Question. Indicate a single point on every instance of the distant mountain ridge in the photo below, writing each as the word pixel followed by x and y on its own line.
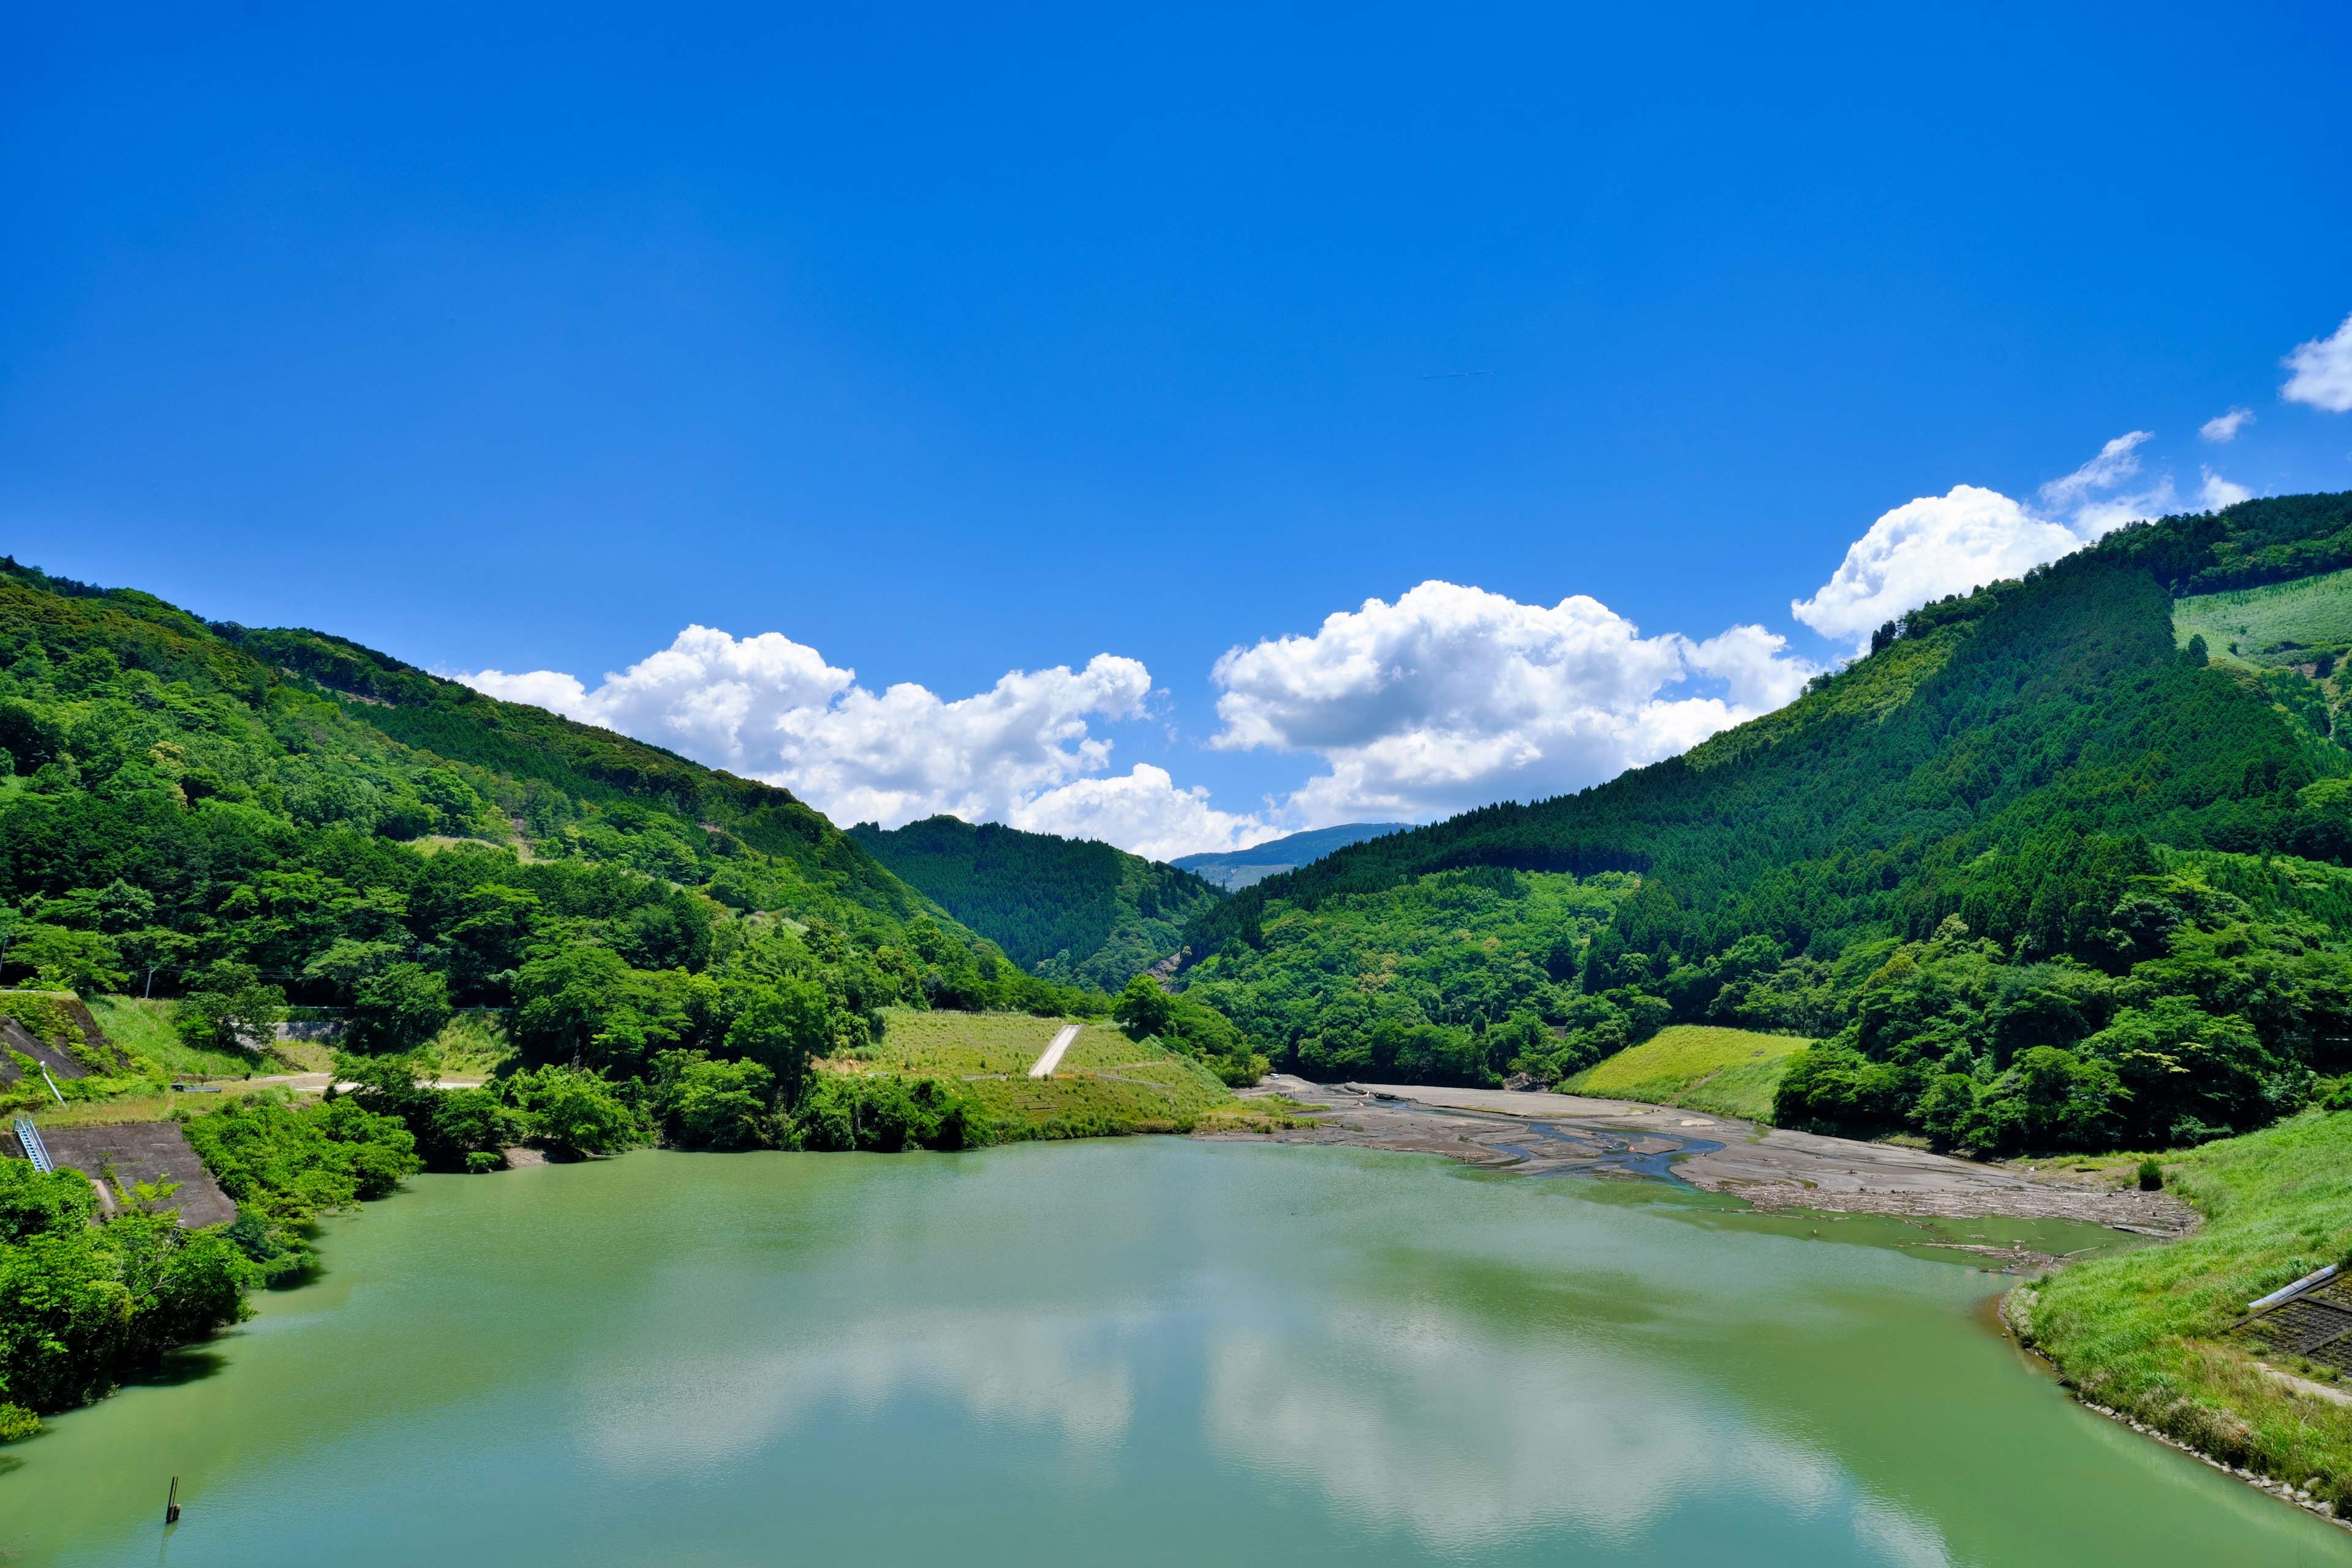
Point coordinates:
pixel 1234 869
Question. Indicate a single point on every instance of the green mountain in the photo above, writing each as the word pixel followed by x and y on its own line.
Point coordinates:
pixel 1073 911
pixel 230 814
pixel 2039 873
pixel 1233 869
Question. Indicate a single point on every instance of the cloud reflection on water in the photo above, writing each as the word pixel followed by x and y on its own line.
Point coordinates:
pixel 1468 1444
pixel 685 1412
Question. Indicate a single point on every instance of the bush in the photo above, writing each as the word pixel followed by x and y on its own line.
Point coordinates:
pixel 887 1115
pixel 704 1104
pixel 231 1009
pixel 2151 1176
pixel 16 1424
pixel 571 1109
pixel 288 1165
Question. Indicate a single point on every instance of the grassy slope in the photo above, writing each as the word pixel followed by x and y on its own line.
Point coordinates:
pixel 1107 1083
pixel 2248 625
pixel 2143 1332
pixel 144 1030
pixel 1731 1072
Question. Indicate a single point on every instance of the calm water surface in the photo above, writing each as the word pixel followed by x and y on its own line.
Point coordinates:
pixel 1144 1350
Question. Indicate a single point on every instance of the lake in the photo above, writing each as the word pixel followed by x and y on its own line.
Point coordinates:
pixel 1136 1351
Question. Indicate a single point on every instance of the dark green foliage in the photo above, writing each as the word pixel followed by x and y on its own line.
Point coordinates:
pixel 398 1009
pixel 2151 1176
pixel 230 1009
pixel 887 1114
pixel 1074 911
pixel 2024 824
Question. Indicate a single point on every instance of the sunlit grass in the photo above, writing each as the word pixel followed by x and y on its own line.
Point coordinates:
pixel 2146 1332
pixel 1105 1082
pixel 1729 1072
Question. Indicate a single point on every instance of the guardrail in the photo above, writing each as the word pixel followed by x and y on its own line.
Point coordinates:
pixel 35 1150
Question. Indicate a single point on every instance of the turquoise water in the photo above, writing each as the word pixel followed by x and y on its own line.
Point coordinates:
pixel 1140 1351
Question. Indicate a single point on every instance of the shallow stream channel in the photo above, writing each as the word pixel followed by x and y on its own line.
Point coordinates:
pixel 1134 1350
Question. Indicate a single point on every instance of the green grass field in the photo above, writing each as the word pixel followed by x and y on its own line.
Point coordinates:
pixel 2145 1333
pixel 2251 626
pixel 1729 1072
pixel 1105 1084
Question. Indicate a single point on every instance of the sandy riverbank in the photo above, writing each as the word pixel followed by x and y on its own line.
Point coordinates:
pixel 1772 1168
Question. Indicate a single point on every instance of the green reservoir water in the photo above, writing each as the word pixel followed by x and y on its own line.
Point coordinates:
pixel 1141 1351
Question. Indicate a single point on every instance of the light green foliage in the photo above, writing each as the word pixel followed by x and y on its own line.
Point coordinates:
pixel 1107 1083
pixel 1421 982
pixel 474 1042
pixel 2146 1332
pixel 68 960
pixel 289 1165
pixel 705 1104
pixel 2275 625
pixel 570 1110
pixel 145 1030
pixel 81 1304
pixel 1732 1073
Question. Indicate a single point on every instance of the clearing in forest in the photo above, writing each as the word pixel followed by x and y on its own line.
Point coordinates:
pixel 1730 1072
pixel 1105 1083
pixel 2275 625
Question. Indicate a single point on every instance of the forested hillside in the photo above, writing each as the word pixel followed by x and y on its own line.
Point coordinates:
pixel 249 818
pixel 2040 875
pixel 1073 911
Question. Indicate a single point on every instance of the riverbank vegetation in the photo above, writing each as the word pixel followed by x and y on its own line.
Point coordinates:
pixel 2148 1332
pixel 82 1304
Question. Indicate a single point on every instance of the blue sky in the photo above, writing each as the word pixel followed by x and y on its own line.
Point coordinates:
pixel 947 344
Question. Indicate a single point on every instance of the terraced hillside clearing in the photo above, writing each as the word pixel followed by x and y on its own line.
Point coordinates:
pixel 1730 1072
pixel 2272 627
pixel 1104 1085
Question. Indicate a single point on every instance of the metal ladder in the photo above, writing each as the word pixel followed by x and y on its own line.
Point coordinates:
pixel 35 1150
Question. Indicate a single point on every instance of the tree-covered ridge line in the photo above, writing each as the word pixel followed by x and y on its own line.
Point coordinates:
pixel 177 812
pixel 1965 848
pixel 1078 911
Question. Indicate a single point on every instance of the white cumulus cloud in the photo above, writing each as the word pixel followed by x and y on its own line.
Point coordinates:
pixel 2217 492
pixel 2224 427
pixel 1952 543
pixel 1454 696
pixel 2323 371
pixel 1021 751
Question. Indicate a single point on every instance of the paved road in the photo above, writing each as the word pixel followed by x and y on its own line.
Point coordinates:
pixel 1052 1057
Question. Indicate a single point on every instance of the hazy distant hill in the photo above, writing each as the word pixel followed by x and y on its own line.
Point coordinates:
pixel 1073 910
pixel 1237 869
